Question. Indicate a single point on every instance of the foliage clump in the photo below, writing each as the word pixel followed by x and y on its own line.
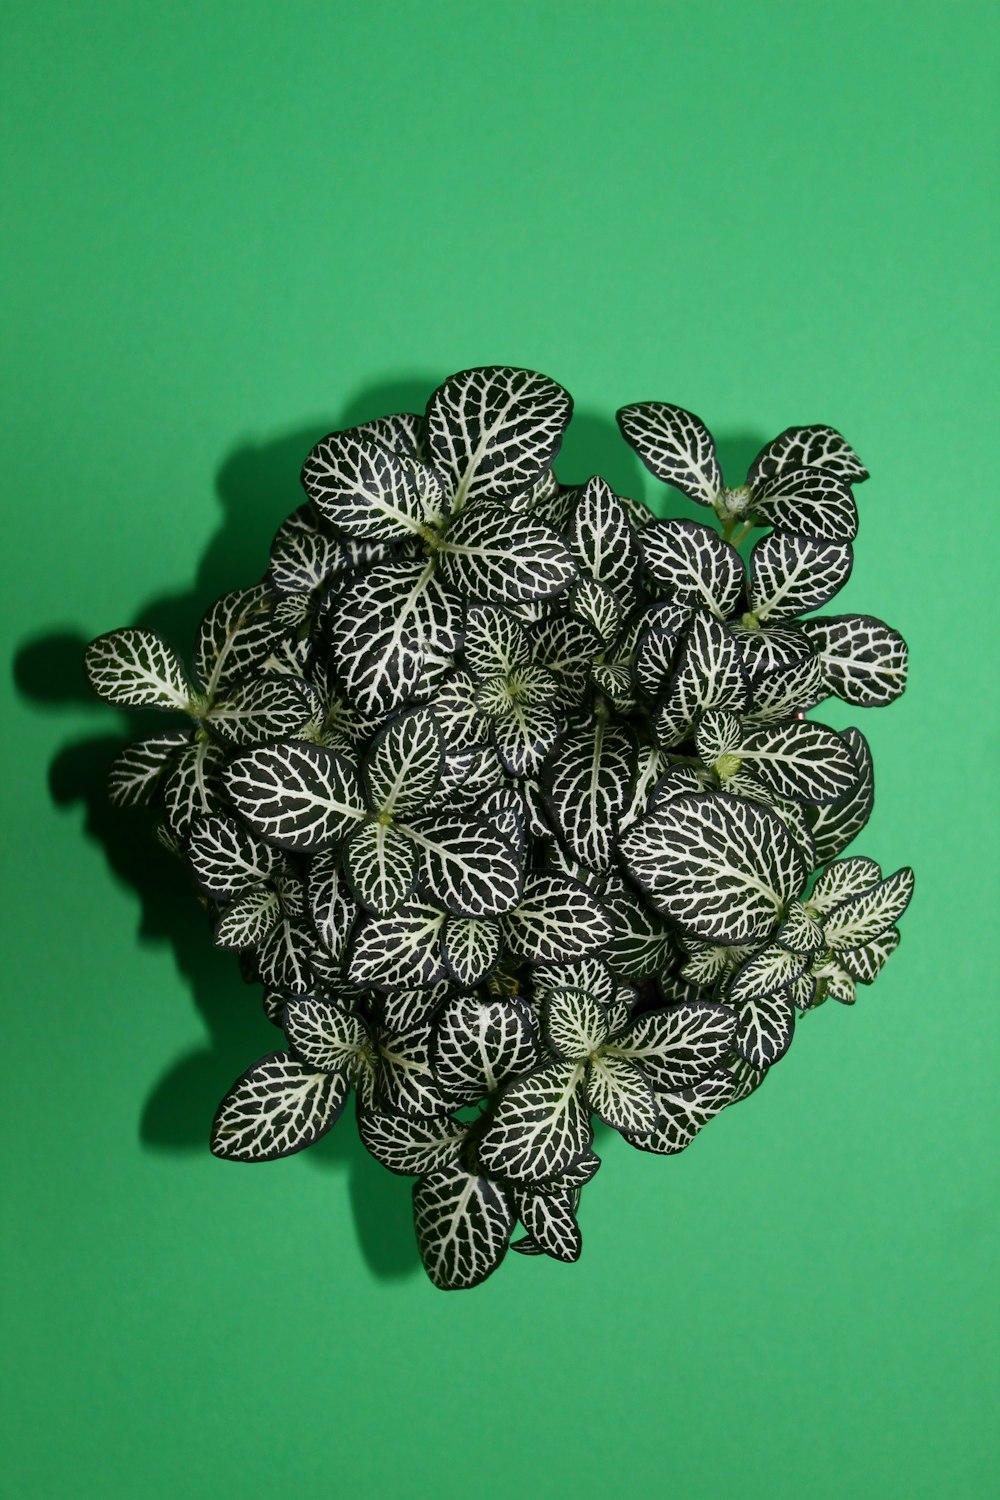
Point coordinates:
pixel 504 792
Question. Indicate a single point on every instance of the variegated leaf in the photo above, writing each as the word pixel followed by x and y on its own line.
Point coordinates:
pixel 864 964
pixel 675 445
pixel 657 647
pixel 707 962
pixel 590 974
pixel 284 959
pixel 864 660
pixel 540 1126
pixel 841 879
pixel 136 669
pixel 366 491
pixel 596 604
pixel 836 824
pixel 463 1225
pixel 722 868
pixel 816 447
pixel 462 725
pixel 331 906
pixel 466 866
pixel 479 1043
pixel 764 1028
pixel 677 1044
pixel 399 952
pixel 719 733
pixel 605 544
pixel 237 634
pixel 811 501
pixel 492 556
pixel 524 733
pixel 493 430
pixel 766 651
pixel 136 771
pixel 768 970
pixel 386 622
pixel 278 1106
pixel 575 1023
pixel 324 1035
pixel 193 785
pixel 798 760
pixel 504 810
pixel 411 1145
pixel 401 432
pixel 800 932
pixel 833 982
pixel 588 781
pixel 262 709
pixel 865 916
pixel 567 648
pixel 619 1092
pixel 494 644
pixel 709 674
pixel 550 1219
pixel 556 918
pixel 298 796
pixel 226 859
pixel 787 690
pixel 382 866
pixel 406 1083
pixel 694 565
pixel 247 922
pixel 642 942
pixel 304 556
pixel 470 947
pixel 683 1112
pixel 791 574
pixel 402 768
pixel 401 1010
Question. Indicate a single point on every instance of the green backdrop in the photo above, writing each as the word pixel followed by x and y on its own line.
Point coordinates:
pixel 234 226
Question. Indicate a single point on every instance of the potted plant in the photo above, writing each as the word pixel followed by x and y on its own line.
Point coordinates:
pixel 505 794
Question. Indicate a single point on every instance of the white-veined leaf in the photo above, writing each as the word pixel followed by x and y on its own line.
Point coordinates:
pixel 642 943
pixel 401 1010
pixel 864 964
pixel 247 922
pixel 596 604
pixel 656 650
pixel 836 824
pixel 382 866
pixel 614 680
pixel 603 540
pixel 411 1145
pixel 406 1083
pixel 719 733
pixel 791 574
pixel 707 962
pixel 590 974
pixel 816 447
pixel 556 918
pixel 237 634
pixel 278 1106
pixel 683 1112
pixel 494 644
pixel 709 674
pixel 864 660
pixel 865 916
pixel 799 760
pixel 493 430
pixel 364 490
pixel 567 648
pixel 298 796
pixel 833 982
pixel 768 970
pixel 575 1023
pixel 787 690
pixel 466 866
pixel 492 556
pixel 694 565
pixel 842 878
pixel 193 785
pixel 462 725
pixel 271 707
pixel 331 906
pixel 811 501
pixel 619 1092
pixel 463 1225
pixel 477 1044
pixel 766 651
pixel 722 868
pixel 470 947
pixel 226 859
pixel 677 1044
pixel 399 952
pixel 523 734
pixel 304 557
pixel 675 445
pixel 284 959
pixel 800 932
pixel 402 768
pixel 550 1220
pixel 324 1035
pixel 540 1126
pixel 588 781
pixel 401 432
pixel 379 632
pixel 135 772
pixel 764 1028
pixel 136 669
pixel 504 810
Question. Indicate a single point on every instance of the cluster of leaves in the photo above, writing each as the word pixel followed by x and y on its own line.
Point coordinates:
pixel 504 792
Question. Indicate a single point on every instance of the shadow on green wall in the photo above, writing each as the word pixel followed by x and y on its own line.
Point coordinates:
pixel 257 486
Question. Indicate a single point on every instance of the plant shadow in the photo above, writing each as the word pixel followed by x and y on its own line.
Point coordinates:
pixel 257 486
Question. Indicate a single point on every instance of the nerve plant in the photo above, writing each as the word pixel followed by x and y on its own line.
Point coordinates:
pixel 504 792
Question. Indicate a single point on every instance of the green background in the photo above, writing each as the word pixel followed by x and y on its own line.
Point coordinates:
pixel 234 226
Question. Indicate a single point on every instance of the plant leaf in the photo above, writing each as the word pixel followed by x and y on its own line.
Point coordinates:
pixel 864 964
pixel 331 906
pixel 493 430
pixel 364 490
pixel 247 922
pixel 284 958
pixel 402 768
pixel 470 947
pixel 865 916
pixel 136 771
pixel 477 1044
pixel 406 1081
pixel 556 918
pixel 603 540
pixel 812 501
pixel 677 1044
pixel 694 565
pixel 657 646
pixel 399 952
pixel 675 445
pixel 787 690
pixel 382 866
pixel 619 1092
pixel 411 1145
pixel 722 868
pixel 386 621
pixel 791 574
pixel 567 647
pixel 193 785
pixel 683 1112
pixel 709 674
pixel 764 1028
pixel 807 447
pixel 463 1225
pixel 864 660
pixel 235 636
pixel 296 795
pixel 843 878
pixel 493 556
pixel 323 1035
pixel 277 1107
pixel 494 642
pixel 468 867
pixel 550 1219
pixel 226 859
pixel 588 780
pixel 835 825
pixel 575 1023
pixel 799 760
pixel 272 707
pixel 540 1125
pixel 136 669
